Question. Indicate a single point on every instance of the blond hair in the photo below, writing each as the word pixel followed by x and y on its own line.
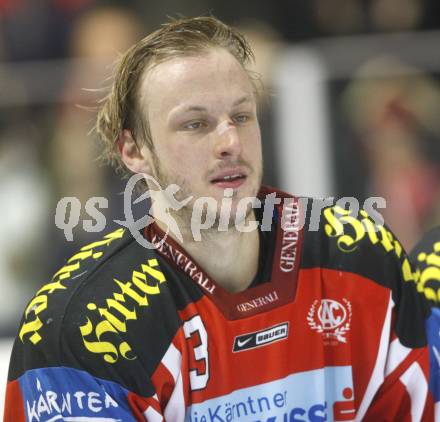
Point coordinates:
pixel 121 108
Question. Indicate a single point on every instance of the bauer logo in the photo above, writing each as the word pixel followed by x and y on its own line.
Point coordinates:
pixel 261 338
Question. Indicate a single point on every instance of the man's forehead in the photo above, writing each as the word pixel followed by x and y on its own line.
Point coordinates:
pixel 184 62
pixel 195 79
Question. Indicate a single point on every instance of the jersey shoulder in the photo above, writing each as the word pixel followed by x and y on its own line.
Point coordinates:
pixel 103 312
pixel 357 241
pixel 47 308
pixel 425 257
pixel 352 239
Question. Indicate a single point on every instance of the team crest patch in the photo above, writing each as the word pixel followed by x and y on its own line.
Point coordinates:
pixel 330 318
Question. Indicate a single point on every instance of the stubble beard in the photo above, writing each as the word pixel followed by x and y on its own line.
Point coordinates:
pixel 183 216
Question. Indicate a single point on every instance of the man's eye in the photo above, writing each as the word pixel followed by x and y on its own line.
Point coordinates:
pixel 194 125
pixel 241 118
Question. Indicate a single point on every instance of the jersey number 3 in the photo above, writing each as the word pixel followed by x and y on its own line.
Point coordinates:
pixel 194 327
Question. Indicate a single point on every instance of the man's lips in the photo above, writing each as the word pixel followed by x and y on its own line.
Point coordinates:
pixel 232 178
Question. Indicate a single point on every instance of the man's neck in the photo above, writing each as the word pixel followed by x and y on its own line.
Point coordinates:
pixel 228 257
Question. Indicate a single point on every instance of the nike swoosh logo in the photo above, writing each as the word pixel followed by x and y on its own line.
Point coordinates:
pixel 242 343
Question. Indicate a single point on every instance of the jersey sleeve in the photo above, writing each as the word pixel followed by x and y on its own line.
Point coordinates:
pixel 403 395
pixel 59 380
pixel 77 390
pixel 433 331
pixel 425 258
pixel 92 339
pixel 67 393
pixel 398 387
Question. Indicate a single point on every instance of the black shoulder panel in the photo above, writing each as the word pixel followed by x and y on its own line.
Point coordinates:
pixel 425 257
pixel 111 310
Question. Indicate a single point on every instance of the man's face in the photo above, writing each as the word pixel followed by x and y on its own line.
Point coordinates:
pixel 204 127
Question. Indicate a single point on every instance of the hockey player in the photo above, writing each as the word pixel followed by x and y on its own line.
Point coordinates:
pixel 251 307
pixel 426 259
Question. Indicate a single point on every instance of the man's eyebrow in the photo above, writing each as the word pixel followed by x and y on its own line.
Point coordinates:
pixel 244 99
pixel 241 100
pixel 194 108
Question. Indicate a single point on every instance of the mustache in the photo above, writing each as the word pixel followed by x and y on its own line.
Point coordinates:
pixel 229 164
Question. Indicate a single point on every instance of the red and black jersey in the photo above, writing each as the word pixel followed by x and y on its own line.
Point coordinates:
pixel 426 258
pixel 126 333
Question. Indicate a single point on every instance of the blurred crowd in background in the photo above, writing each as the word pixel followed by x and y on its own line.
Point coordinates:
pixel 56 58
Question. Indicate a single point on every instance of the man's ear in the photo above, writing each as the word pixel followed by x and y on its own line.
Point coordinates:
pixel 137 160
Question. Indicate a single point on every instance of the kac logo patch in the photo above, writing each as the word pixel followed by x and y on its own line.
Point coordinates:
pixel 331 319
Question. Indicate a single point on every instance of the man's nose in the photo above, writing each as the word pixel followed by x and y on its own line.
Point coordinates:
pixel 227 143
